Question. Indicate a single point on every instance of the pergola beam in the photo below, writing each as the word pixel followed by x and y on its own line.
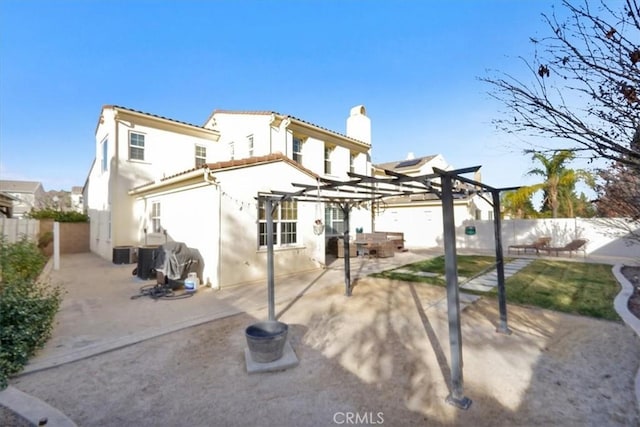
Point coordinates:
pixel 346 194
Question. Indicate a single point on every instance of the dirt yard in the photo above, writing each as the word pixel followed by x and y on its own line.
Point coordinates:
pixel 379 357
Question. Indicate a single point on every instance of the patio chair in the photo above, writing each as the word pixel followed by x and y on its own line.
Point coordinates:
pixel 571 247
pixel 540 243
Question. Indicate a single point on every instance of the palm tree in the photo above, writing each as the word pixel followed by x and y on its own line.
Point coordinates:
pixel 558 181
pixel 517 203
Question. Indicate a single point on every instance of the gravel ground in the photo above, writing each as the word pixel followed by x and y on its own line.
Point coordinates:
pixel 381 354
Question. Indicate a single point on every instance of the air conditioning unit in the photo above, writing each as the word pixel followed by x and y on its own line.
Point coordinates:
pixel 124 255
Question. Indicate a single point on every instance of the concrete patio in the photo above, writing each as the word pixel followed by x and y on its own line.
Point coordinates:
pixel 385 349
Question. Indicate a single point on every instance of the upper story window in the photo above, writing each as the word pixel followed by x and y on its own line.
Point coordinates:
pixel 136 146
pixel 297 150
pixel 352 162
pixel 232 150
pixel 250 145
pixel 327 159
pixel 105 152
pixel 285 223
pixel 201 155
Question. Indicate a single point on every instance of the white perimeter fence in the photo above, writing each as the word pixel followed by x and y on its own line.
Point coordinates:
pixel 606 237
pixel 14 229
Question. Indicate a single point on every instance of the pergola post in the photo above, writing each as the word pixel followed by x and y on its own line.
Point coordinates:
pixel 346 208
pixel 502 297
pixel 268 210
pixel 456 397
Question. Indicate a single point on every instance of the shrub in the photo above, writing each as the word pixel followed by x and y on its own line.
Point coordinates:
pixel 45 239
pixel 27 307
pixel 59 216
pixel 20 261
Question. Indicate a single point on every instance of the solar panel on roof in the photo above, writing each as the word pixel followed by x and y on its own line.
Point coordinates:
pixel 408 163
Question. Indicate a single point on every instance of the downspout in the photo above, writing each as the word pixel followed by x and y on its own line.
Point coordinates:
pixel 112 176
pixel 271 134
pixel 216 285
pixel 208 177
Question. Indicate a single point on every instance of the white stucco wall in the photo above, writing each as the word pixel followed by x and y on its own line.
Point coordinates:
pixel 276 136
pixel 98 191
pixel 421 223
pixel 241 259
pixel 189 215
pixel 237 127
pixel 221 221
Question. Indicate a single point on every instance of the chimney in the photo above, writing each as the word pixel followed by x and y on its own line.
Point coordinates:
pixel 410 156
pixel 359 125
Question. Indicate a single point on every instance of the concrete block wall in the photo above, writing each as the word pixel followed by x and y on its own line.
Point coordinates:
pixel 74 237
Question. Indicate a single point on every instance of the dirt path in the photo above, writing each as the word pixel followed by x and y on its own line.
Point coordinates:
pixel 381 355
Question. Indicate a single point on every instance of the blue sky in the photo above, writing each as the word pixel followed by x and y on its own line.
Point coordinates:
pixel 413 64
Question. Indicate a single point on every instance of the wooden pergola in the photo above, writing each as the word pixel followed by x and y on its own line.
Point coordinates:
pixel 361 189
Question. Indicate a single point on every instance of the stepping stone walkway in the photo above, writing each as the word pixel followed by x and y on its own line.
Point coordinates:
pixel 483 283
pixel 488 281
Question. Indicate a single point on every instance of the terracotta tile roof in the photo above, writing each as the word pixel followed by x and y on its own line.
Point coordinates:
pixel 154 115
pixel 252 113
pixel 252 161
pixel 236 163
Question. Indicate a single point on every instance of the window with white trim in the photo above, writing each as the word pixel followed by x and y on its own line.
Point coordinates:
pixel 105 153
pixel 334 220
pixel 297 150
pixel 250 145
pixel 156 226
pixel 285 223
pixel 327 159
pixel 136 146
pixel 352 162
pixel 201 155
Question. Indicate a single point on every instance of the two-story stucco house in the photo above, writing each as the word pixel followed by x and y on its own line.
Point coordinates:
pixel 155 179
pixel 322 151
pixel 419 217
pixel 133 148
pixel 27 195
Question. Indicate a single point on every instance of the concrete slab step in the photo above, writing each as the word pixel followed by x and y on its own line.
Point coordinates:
pixel 477 287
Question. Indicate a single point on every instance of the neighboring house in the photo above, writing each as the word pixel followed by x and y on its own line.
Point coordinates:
pixel 6 205
pixel 419 217
pixel 59 200
pixel 27 194
pixel 156 179
pixel 77 203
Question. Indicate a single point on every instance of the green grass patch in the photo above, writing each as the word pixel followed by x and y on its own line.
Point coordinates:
pixel 570 287
pixel 468 266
